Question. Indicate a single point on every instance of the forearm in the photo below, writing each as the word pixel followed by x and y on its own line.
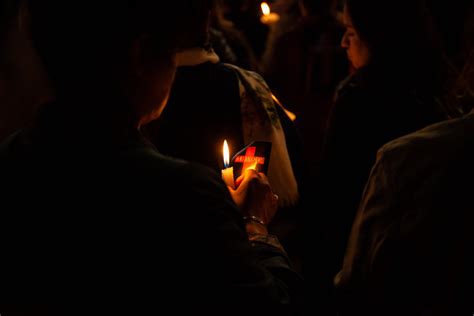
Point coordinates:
pixel 254 271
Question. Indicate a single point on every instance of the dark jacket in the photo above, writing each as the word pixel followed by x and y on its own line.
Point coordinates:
pixel 411 249
pixel 367 114
pixel 98 215
pixel 203 110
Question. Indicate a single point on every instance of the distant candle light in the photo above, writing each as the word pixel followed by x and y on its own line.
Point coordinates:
pixel 268 17
pixel 265 8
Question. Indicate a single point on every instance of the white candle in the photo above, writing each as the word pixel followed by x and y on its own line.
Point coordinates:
pixel 268 17
pixel 227 173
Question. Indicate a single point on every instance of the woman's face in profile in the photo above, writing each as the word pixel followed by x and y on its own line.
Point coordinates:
pixel 357 50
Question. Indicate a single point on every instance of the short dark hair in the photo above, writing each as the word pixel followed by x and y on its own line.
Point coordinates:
pixel 8 11
pixel 318 7
pixel 80 39
pixel 197 25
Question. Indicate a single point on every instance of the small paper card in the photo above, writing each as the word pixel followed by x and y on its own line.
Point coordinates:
pixel 256 155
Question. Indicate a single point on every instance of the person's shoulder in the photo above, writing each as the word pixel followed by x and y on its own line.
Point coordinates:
pixel 8 146
pixel 432 145
pixel 353 85
pixel 170 177
pixel 185 184
pixel 158 164
pixel 355 99
pixel 6 143
pixel 370 81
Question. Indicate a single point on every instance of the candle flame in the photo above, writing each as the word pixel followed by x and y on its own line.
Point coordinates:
pixel 265 8
pixel 226 154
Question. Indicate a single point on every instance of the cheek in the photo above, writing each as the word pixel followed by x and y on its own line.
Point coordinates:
pixel 155 93
pixel 363 54
pixel 162 89
pixel 163 86
pixel 359 53
pixel 158 97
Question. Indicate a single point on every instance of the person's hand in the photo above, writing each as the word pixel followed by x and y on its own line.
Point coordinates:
pixel 254 196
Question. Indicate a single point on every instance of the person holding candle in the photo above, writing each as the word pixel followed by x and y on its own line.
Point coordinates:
pixel 211 102
pixel 96 212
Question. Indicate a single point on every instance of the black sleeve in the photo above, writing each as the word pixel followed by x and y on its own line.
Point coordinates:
pixel 338 186
pixel 254 277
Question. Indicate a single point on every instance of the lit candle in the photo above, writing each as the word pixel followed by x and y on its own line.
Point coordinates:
pixel 227 173
pixel 268 17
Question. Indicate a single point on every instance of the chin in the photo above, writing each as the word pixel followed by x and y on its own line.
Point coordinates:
pixel 151 116
pixel 356 66
pixel 155 115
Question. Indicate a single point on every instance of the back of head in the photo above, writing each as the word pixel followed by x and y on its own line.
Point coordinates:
pixel 85 42
pixel 318 7
pixel 197 25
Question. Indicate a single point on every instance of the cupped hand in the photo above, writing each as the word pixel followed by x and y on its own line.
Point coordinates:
pixel 254 196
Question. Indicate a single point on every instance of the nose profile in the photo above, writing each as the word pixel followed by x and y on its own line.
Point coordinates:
pixel 344 41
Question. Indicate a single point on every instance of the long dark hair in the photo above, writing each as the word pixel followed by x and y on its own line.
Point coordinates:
pixel 318 7
pixel 402 41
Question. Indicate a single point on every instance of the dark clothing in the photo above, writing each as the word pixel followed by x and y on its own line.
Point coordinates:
pixel 411 249
pixel 303 66
pixel 232 48
pixel 203 110
pixel 248 22
pixel 93 213
pixel 365 116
